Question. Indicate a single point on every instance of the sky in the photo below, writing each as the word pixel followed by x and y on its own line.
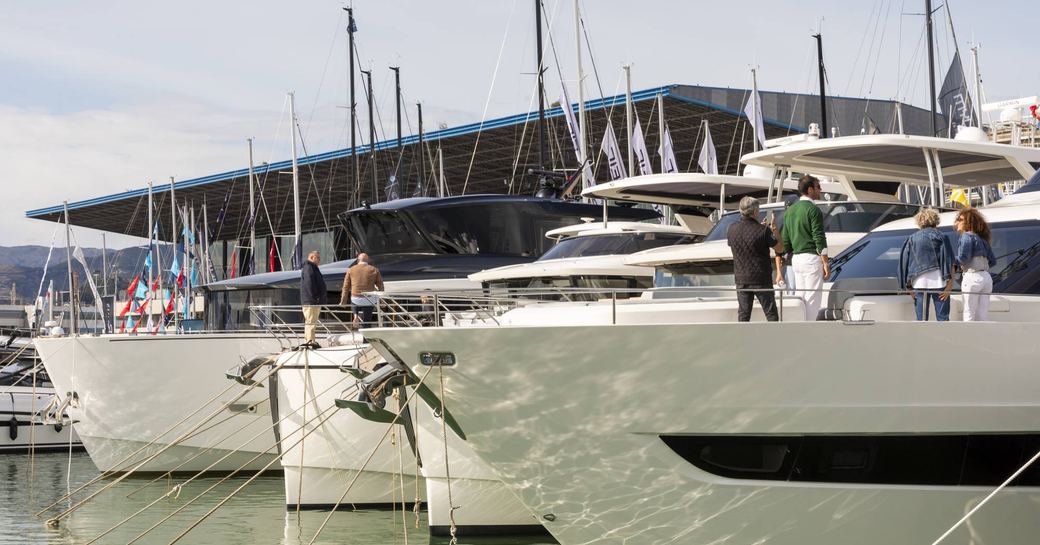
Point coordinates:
pixel 100 97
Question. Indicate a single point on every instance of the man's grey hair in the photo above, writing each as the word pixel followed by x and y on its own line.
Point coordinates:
pixel 927 217
pixel 749 207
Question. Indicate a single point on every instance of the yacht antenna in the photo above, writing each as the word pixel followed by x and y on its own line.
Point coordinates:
pixel 978 85
pixel 931 62
pixel 541 85
pixel 372 139
pixel 823 88
pixel 755 108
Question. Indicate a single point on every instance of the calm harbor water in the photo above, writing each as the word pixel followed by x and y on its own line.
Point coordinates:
pixel 256 515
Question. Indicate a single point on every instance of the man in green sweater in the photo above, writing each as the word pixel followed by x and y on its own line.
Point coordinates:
pixel 803 236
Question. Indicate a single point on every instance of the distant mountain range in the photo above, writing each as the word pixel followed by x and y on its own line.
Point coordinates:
pixel 22 267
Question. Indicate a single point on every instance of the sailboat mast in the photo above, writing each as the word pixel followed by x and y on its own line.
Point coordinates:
pixel 205 243
pixel 372 139
pixel 173 241
pixel 104 267
pixel 582 153
pixel 978 84
pixel 825 129
pixel 931 63
pixel 422 156
pixel 628 119
pixel 755 107
pixel 355 174
pixel 252 211
pixel 297 227
pixel 397 97
pixel 541 84
pixel 68 258
pixel 151 225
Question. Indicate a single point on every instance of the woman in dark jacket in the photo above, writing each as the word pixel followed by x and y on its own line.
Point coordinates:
pixel 926 267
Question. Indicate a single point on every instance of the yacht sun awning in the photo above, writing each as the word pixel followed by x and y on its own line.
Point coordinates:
pixel 682 189
pixel 904 158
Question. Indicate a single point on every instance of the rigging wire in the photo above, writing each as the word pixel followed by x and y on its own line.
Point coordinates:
pixel 487 102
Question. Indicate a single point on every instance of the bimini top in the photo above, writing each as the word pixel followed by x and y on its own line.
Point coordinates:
pixel 684 189
pixel 868 161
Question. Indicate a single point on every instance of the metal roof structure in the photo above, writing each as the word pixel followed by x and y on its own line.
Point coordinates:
pixel 488 157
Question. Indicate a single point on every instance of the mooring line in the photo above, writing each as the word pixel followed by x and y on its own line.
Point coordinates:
pixel 333 410
pixel 56 519
pixel 180 486
pixel 369 459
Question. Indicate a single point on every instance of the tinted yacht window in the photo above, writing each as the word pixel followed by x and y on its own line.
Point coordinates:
pixel 1016 245
pixel 622 243
pixel 838 217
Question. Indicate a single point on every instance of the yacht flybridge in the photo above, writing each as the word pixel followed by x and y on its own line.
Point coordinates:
pixel 662 426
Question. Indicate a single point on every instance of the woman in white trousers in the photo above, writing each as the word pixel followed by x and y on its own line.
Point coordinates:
pixel 975 257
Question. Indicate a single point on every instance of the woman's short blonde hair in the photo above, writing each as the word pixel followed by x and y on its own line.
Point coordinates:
pixel 926 218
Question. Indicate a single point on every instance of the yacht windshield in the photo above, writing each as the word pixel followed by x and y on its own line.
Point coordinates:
pixel 614 244
pixel 386 232
pixel 838 217
pixel 1016 245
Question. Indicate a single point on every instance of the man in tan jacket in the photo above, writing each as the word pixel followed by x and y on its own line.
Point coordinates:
pixel 361 278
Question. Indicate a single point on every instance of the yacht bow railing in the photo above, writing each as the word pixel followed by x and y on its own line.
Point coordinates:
pixel 483 307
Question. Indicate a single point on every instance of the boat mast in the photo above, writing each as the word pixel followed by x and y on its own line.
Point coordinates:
pixel 68 258
pixel 442 186
pixel 355 174
pixel 252 211
pixel 397 97
pixel 422 157
pixel 297 227
pixel 173 241
pixel 151 225
pixel 628 118
pixel 582 153
pixel 372 139
pixel 104 267
pixel 755 108
pixel 825 129
pixel 205 243
pixel 978 85
pixel 541 84
pixel 931 63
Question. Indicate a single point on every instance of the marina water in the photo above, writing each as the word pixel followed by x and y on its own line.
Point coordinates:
pixel 256 515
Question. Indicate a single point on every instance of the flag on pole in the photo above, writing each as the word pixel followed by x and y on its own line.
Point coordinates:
pixel 270 257
pixel 708 160
pixel 667 152
pixel 960 196
pixel 753 111
pixel 613 153
pixel 77 253
pixel 575 131
pixel 234 265
pixel 639 147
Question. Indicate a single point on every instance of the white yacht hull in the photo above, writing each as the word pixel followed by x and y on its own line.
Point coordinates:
pixel 333 452
pixel 23 428
pixel 134 391
pixel 571 418
pixel 323 448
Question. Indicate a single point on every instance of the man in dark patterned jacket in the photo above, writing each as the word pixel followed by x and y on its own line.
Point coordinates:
pixel 750 242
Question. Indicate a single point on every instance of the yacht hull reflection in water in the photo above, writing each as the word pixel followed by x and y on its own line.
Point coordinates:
pixel 628 440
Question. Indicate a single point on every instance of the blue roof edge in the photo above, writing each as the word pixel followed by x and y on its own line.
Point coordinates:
pixel 606 102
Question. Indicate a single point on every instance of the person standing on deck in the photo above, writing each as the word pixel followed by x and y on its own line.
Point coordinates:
pixel 313 294
pixel 750 242
pixel 804 237
pixel 361 278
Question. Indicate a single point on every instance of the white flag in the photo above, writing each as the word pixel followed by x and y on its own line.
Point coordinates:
pixel 575 130
pixel 639 148
pixel 78 254
pixel 753 111
pixel 613 152
pixel 667 152
pixel 708 161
